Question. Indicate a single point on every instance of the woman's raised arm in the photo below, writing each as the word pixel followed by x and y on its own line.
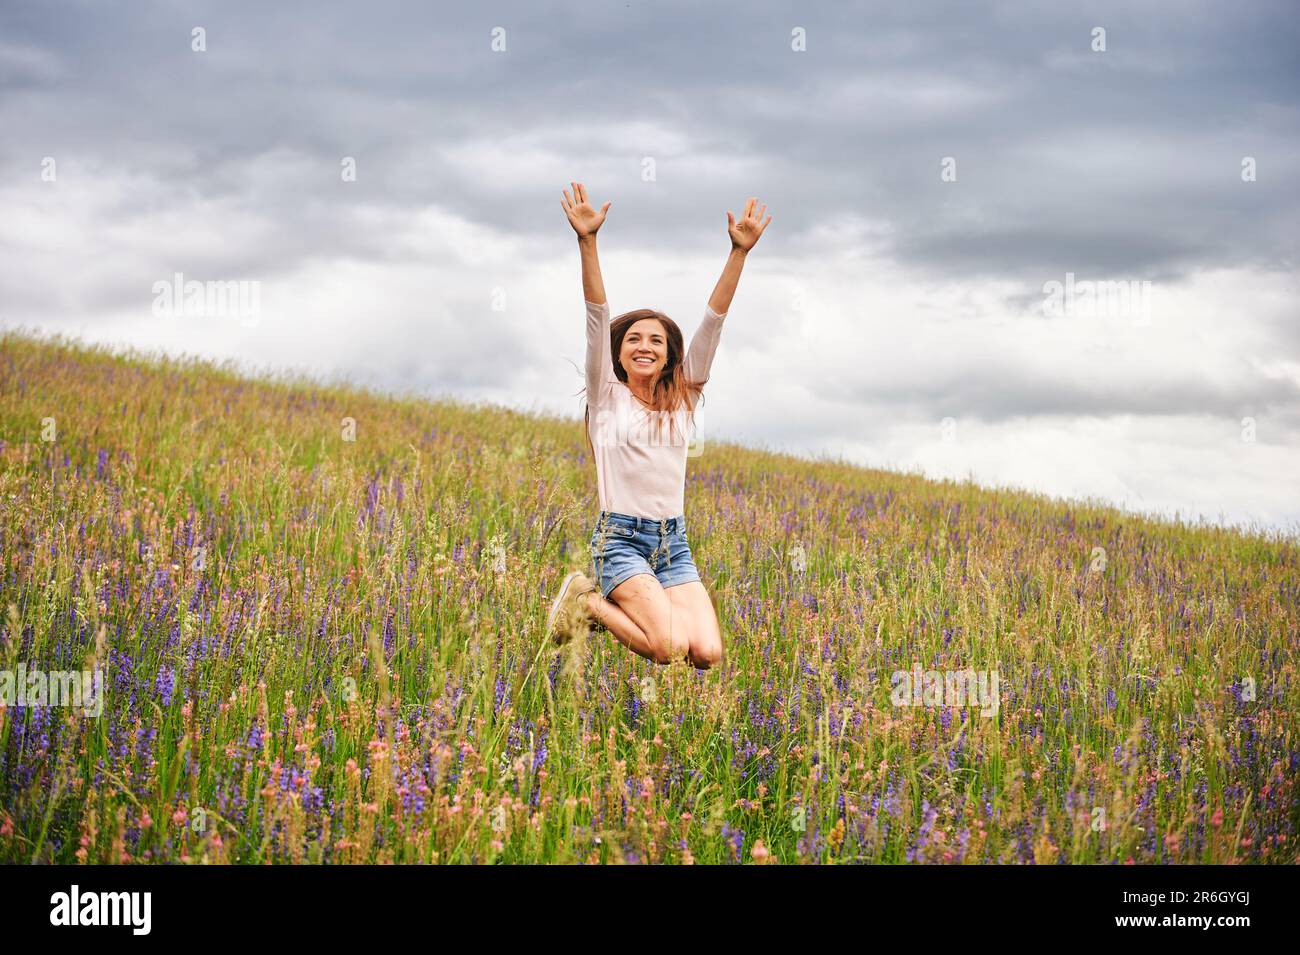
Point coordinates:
pixel 586 221
pixel 744 233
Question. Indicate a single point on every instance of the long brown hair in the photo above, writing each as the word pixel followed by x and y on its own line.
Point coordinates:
pixel 672 390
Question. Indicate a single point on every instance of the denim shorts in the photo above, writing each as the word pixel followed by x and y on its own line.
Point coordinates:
pixel 623 546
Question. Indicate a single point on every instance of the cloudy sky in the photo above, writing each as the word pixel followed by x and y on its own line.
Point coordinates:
pixel 931 170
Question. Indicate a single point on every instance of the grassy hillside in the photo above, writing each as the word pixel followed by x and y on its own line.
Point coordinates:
pixel 323 649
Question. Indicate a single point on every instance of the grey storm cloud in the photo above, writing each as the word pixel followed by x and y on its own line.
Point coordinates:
pixel 1011 392
pixel 1119 161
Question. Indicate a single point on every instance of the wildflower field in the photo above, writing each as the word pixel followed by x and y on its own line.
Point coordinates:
pixel 318 613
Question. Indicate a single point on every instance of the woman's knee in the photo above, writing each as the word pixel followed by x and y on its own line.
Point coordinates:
pixel 706 655
pixel 667 645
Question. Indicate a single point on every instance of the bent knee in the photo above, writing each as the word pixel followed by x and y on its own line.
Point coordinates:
pixel 667 647
pixel 707 656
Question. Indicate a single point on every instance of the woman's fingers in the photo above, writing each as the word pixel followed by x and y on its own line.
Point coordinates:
pixel 579 195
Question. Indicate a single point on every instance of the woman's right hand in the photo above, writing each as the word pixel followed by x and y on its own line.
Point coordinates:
pixel 584 219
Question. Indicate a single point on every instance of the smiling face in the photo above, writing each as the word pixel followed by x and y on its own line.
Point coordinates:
pixel 645 350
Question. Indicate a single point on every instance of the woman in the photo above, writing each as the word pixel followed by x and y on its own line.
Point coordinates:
pixel 649 593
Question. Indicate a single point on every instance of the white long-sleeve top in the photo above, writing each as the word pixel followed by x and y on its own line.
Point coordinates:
pixel 640 470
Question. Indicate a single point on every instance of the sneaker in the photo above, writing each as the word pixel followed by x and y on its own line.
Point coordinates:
pixel 569 610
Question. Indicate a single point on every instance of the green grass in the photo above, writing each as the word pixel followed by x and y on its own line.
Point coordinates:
pixel 311 652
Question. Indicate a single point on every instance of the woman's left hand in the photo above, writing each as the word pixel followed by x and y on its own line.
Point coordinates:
pixel 747 231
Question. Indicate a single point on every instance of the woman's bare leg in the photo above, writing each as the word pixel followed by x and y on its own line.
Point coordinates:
pixel 694 612
pixel 640 616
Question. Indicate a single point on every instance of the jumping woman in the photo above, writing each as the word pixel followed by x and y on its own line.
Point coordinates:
pixel 639 378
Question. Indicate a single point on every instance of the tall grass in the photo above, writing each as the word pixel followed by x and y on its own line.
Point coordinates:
pixel 327 650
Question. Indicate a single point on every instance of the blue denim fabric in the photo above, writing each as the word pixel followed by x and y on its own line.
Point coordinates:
pixel 624 545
